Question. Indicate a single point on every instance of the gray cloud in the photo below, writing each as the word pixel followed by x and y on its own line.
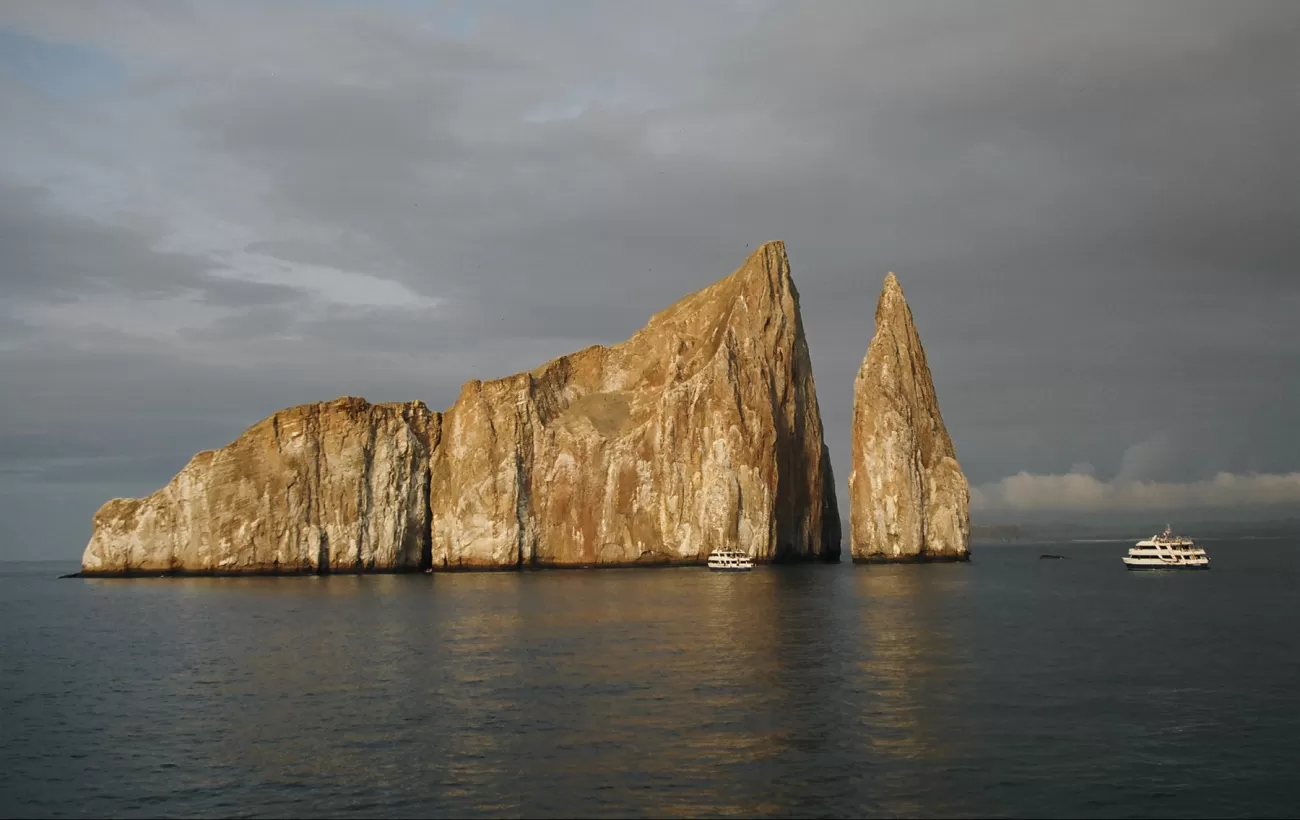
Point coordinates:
pixel 56 257
pixel 1080 493
pixel 1090 206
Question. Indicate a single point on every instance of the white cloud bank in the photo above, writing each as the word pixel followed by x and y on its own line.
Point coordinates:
pixel 1078 491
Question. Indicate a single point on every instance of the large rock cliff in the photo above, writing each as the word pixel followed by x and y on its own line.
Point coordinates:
pixel 701 431
pixel 340 486
pixel 908 499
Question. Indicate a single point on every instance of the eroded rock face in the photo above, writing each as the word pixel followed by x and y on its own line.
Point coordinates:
pixel 338 486
pixel 908 499
pixel 700 432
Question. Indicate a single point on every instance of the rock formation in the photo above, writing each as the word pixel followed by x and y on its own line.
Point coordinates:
pixel 908 499
pixel 701 431
pixel 337 486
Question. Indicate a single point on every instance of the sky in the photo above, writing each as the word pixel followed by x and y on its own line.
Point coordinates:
pixel 210 211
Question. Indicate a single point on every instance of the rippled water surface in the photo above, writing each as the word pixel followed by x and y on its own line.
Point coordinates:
pixel 1011 686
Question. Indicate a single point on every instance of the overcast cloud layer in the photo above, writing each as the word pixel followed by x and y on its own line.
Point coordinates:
pixel 210 211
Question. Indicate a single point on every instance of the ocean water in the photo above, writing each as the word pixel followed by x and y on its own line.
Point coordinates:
pixel 1007 687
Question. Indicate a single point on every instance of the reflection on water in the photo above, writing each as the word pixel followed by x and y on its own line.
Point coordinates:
pixel 1002 687
pixel 914 668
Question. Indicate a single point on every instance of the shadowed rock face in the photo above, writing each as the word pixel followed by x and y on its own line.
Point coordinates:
pixel 702 431
pixel 908 499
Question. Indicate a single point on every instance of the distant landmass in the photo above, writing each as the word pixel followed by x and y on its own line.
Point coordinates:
pixel 1074 530
pixel 996 532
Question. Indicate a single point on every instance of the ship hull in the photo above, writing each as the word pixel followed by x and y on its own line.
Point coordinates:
pixel 1165 567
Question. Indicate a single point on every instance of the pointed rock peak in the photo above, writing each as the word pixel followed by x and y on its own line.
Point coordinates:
pixel 766 270
pixel 892 303
pixel 892 289
pixel 766 276
pixel 768 260
pixel 774 248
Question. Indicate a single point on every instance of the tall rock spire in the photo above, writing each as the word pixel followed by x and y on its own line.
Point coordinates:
pixel 908 499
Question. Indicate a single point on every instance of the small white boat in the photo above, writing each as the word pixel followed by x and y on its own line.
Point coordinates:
pixel 730 561
pixel 1166 551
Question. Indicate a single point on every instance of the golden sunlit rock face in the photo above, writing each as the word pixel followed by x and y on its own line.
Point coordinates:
pixel 340 485
pixel 700 432
pixel 908 498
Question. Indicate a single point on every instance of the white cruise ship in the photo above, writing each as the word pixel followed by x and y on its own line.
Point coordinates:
pixel 730 561
pixel 1166 551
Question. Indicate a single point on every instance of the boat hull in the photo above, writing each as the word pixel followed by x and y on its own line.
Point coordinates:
pixel 730 569
pixel 1165 567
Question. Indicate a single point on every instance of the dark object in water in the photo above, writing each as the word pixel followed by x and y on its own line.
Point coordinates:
pixel 1047 555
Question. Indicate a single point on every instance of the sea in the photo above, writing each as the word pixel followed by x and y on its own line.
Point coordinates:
pixel 1011 686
